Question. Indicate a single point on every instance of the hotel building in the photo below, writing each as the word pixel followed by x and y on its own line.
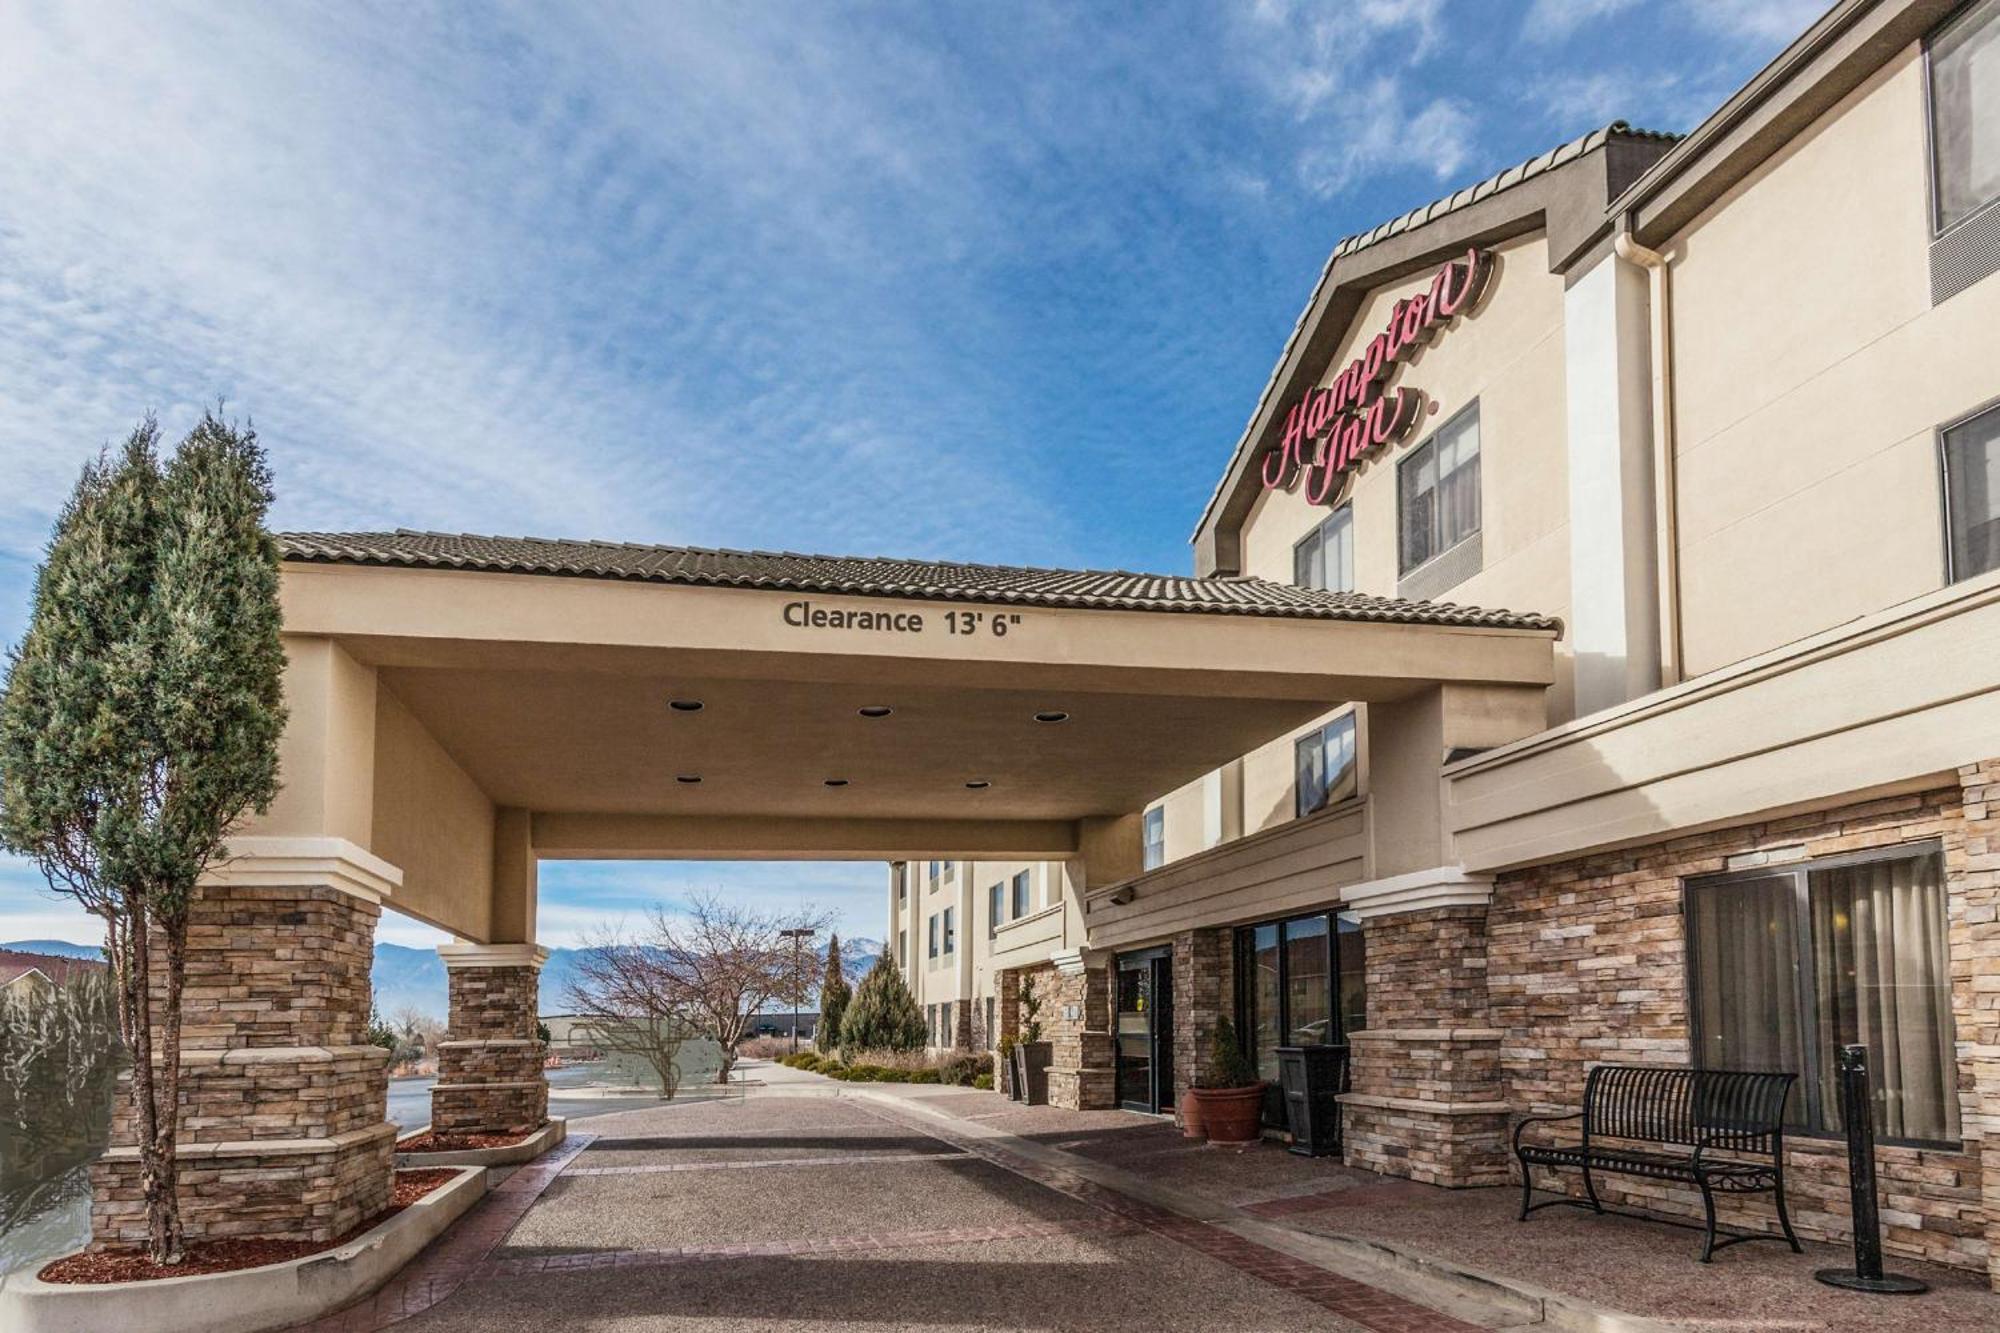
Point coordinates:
pixel 1721 414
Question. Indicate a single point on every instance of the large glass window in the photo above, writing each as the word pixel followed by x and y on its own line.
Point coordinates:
pixel 1326 770
pixel 1972 494
pixel 1155 849
pixel 1021 904
pixel 1787 967
pixel 1301 982
pixel 950 935
pixel 1965 114
pixel 1324 558
pixel 1438 482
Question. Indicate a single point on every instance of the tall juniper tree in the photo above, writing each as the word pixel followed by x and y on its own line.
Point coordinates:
pixel 140 723
pixel 883 1015
pixel 834 996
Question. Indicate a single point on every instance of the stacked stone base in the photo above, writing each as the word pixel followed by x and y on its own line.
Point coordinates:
pixel 490 1078
pixel 282 1128
pixel 315 1190
pixel 1076 1022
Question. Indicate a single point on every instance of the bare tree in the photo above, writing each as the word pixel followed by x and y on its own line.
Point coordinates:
pixel 707 972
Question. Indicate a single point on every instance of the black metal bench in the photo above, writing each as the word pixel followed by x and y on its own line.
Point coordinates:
pixel 1729 1122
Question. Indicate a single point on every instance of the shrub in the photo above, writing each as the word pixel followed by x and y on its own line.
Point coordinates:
pixel 1031 1010
pixel 883 1014
pixel 1228 1066
pixel 834 992
pixel 765 1048
pixel 983 1082
pixel 959 1068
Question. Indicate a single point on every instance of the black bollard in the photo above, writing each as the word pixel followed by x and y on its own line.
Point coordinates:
pixel 1858 1110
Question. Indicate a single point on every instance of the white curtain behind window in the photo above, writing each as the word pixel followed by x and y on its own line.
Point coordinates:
pixel 1884 982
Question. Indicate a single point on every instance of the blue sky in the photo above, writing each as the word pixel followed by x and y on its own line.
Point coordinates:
pixel 996 282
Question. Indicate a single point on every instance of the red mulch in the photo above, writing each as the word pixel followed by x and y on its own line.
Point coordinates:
pixel 462 1142
pixel 226 1256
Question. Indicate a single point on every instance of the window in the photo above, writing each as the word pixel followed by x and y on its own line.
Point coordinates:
pixel 992 1032
pixel 902 883
pixel 1786 967
pixel 1301 982
pixel 1021 904
pixel 1324 558
pixel 945 1034
pixel 1439 487
pixel 933 877
pixel 950 935
pixel 1965 115
pixel 996 908
pixel 1326 769
pixel 1155 850
pixel 1972 495
pixel 934 935
pixel 903 949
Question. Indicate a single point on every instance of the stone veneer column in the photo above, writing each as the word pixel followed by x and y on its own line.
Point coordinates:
pixel 1203 986
pixel 283 1132
pixel 490 1078
pixel 1427 1101
pixel 1076 1016
pixel 1977 887
pixel 1007 1019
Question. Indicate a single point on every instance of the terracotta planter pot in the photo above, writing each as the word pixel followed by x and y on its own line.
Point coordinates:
pixel 1193 1123
pixel 1231 1115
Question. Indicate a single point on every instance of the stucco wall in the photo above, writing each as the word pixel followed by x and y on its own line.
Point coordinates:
pixel 1811 373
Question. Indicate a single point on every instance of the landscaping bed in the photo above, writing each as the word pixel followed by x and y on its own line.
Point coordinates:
pixel 955 1068
pixel 431 1142
pixel 227 1256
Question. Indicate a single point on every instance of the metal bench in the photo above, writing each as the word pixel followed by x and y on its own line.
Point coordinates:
pixel 1720 1130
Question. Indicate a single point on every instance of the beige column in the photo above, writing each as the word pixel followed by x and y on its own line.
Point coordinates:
pixel 283 1131
pixel 490 1078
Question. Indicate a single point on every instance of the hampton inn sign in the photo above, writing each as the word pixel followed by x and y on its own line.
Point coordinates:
pixel 1330 430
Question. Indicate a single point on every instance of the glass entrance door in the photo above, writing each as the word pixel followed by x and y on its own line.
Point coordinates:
pixel 1145 1042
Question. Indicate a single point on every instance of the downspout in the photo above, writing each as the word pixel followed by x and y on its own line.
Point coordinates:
pixel 1666 507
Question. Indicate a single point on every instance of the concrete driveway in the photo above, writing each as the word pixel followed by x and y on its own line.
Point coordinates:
pixel 798 1209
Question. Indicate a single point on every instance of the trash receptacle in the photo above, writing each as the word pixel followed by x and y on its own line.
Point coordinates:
pixel 1313 1077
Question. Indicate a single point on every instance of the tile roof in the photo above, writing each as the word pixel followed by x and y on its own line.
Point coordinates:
pixel 869 576
pixel 14 964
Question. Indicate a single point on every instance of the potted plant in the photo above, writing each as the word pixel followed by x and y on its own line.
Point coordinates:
pixel 1032 1055
pixel 1228 1097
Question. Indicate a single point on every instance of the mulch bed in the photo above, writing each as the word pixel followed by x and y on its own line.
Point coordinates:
pixel 226 1256
pixel 463 1142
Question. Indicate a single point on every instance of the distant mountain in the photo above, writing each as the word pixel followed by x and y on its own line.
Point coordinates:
pixel 60 948
pixel 415 978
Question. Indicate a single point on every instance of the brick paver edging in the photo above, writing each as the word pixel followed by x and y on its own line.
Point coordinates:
pixel 1368 1306
pixel 445 1264
pixel 763 1164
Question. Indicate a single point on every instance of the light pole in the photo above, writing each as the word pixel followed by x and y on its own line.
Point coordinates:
pixel 798 935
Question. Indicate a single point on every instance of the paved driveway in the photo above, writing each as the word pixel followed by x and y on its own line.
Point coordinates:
pixel 806 1211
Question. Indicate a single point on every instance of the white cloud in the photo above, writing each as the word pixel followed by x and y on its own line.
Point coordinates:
pixel 1757 20
pixel 1553 20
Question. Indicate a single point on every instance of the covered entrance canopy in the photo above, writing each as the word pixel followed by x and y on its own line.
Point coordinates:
pixel 462 706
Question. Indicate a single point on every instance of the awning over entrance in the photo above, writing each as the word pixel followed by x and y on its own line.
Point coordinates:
pixel 464 706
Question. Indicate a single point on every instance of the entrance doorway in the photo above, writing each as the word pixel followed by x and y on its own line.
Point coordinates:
pixel 1146 1031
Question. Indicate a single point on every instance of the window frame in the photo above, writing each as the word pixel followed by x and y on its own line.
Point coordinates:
pixel 950 934
pixel 996 904
pixel 1154 817
pixel 934 935
pixel 1934 204
pixel 1343 510
pixel 1990 406
pixel 1021 895
pixel 1808 1084
pixel 1318 736
pixel 1406 464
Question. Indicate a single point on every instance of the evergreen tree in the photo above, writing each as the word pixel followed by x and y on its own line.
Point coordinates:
pixel 834 995
pixel 883 1016
pixel 140 722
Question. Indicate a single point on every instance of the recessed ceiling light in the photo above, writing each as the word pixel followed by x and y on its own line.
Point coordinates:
pixel 689 778
pixel 978 784
pixel 877 710
pixel 685 705
pixel 1052 715
pixel 836 782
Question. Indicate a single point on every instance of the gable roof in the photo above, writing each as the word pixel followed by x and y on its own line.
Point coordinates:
pixel 14 965
pixel 873 576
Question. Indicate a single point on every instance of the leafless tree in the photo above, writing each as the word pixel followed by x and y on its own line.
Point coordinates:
pixel 706 973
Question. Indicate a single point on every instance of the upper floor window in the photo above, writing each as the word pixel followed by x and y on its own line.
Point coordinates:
pixel 1965 114
pixel 934 935
pixel 1155 851
pixel 950 935
pixel 933 875
pixel 1324 558
pixel 1972 495
pixel 903 949
pixel 996 907
pixel 902 883
pixel 1788 965
pixel 1325 761
pixel 1021 904
pixel 1438 487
